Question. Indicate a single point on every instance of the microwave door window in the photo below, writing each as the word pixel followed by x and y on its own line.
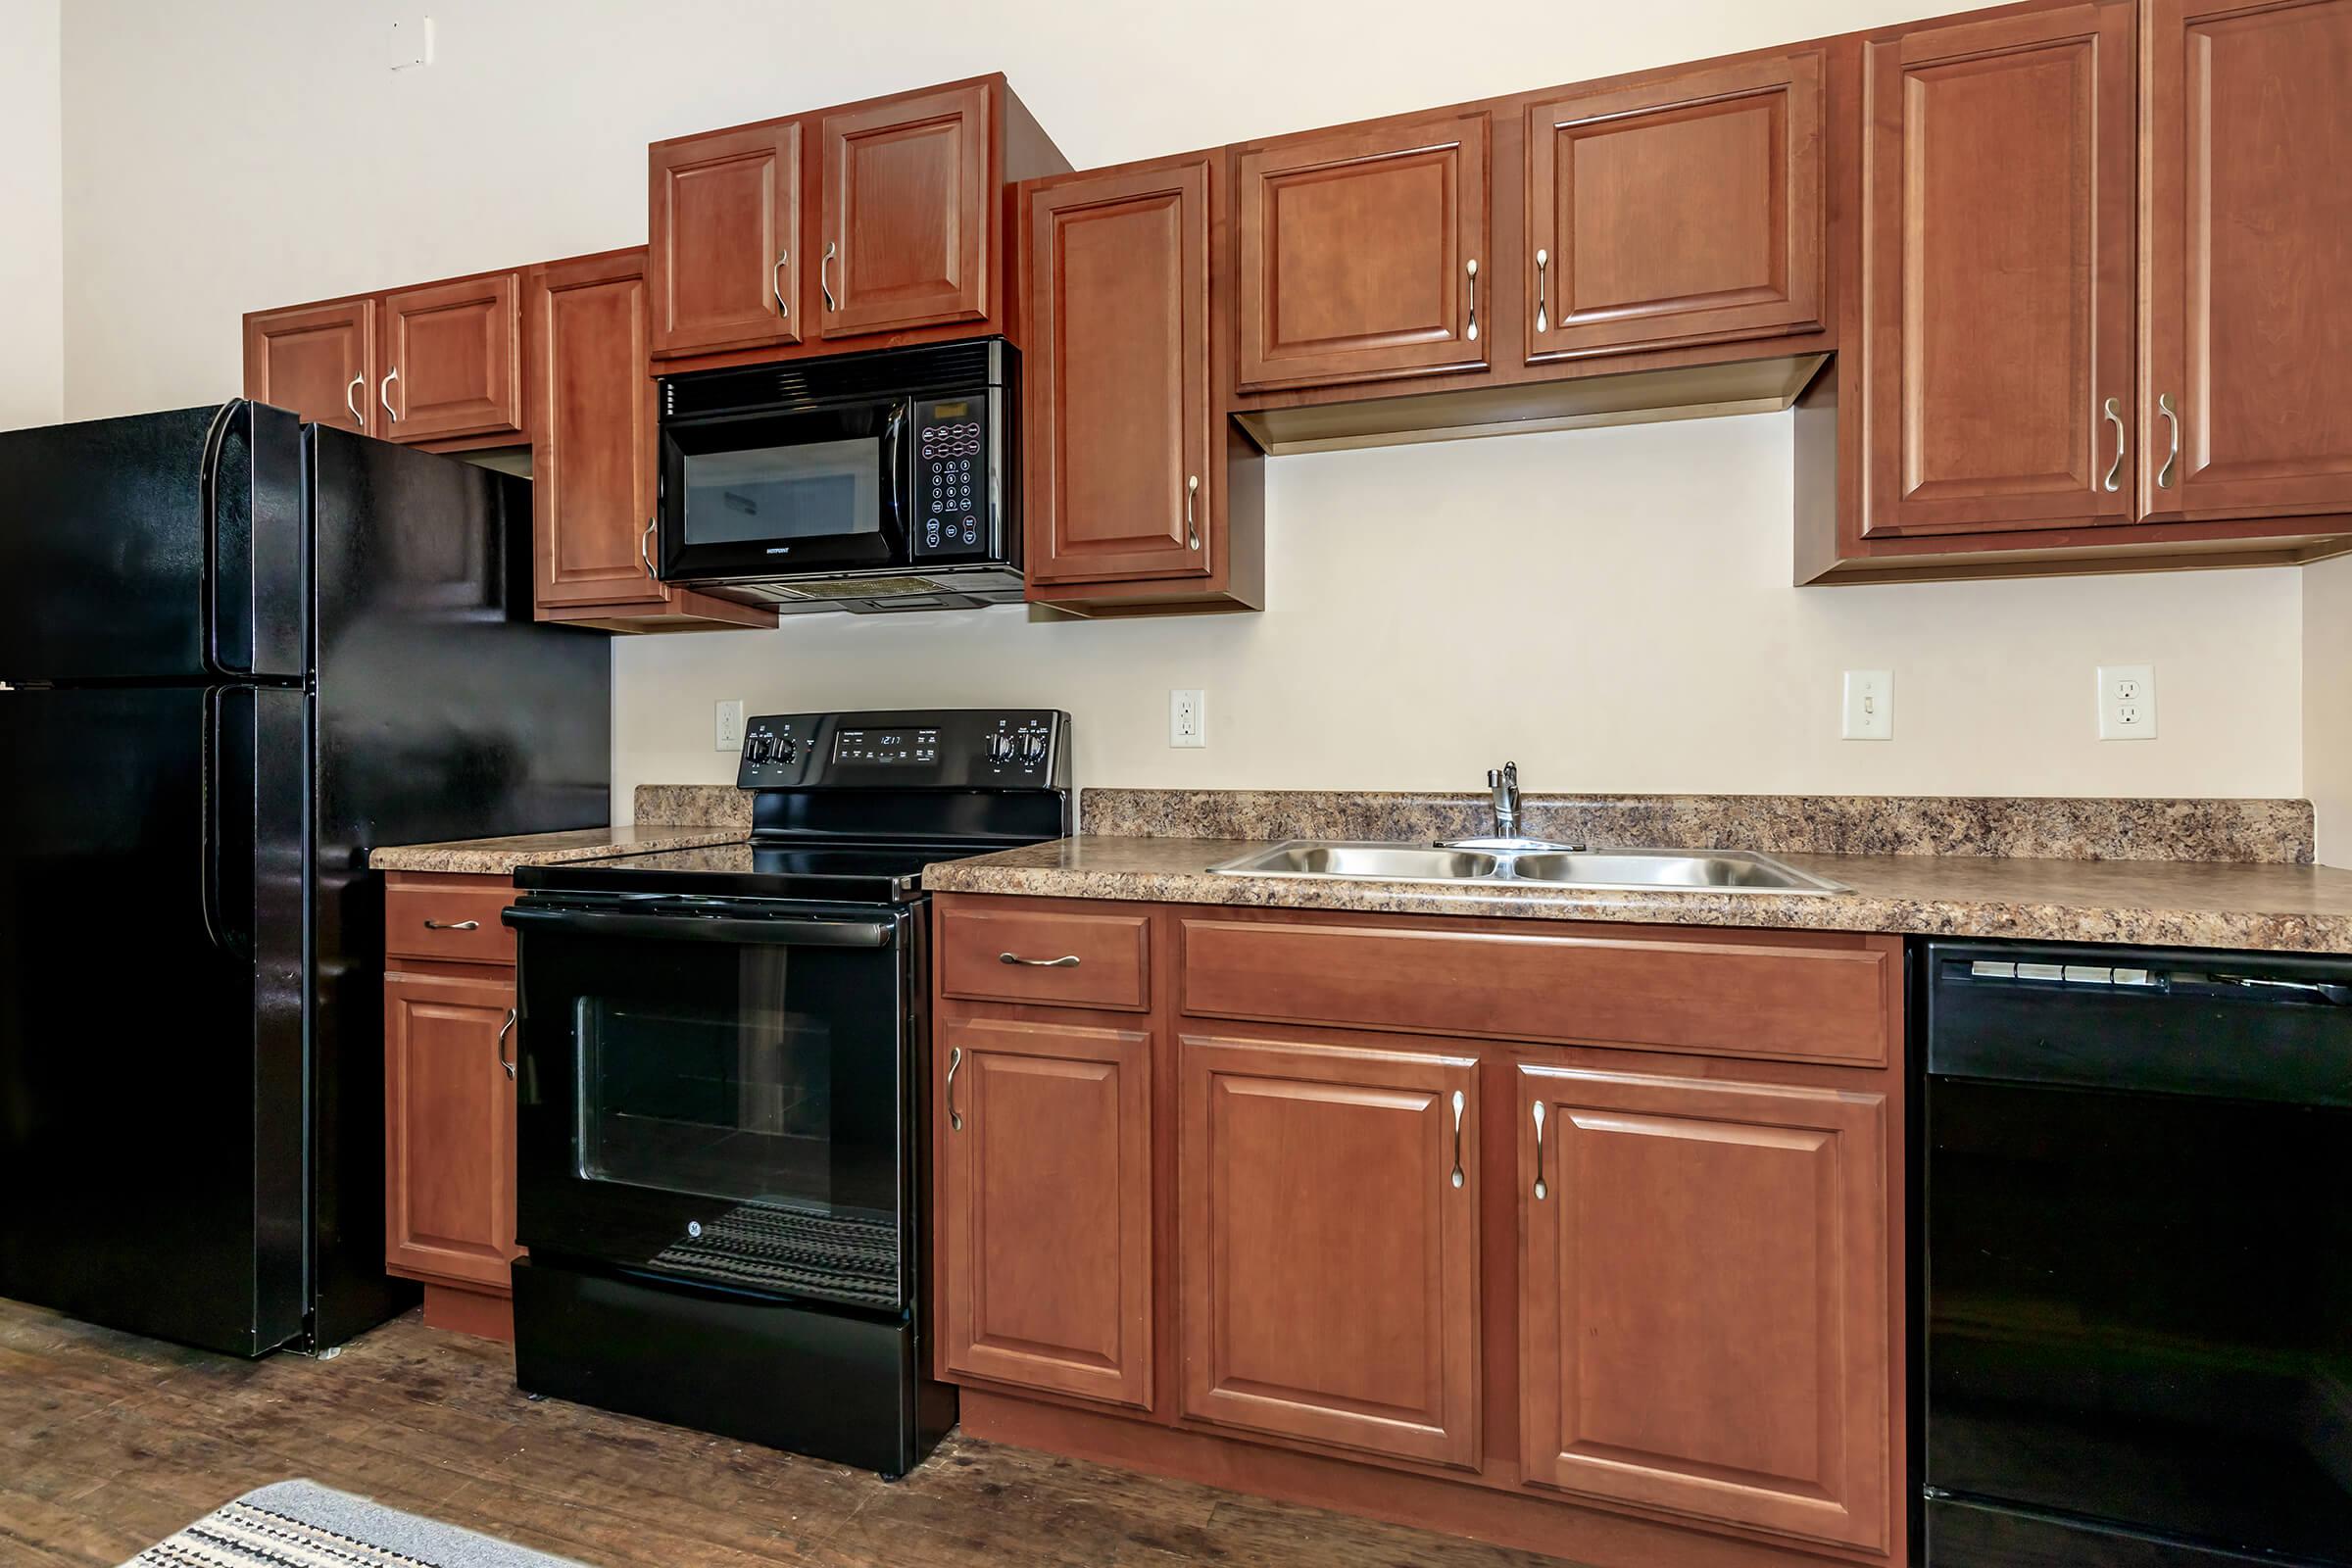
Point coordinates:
pixel 782 495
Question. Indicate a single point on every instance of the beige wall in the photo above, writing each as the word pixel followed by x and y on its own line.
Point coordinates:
pixel 1612 608
pixel 2328 703
pixel 32 355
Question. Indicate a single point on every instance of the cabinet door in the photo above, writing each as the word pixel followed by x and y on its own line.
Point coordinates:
pixel 2248 126
pixel 1121 480
pixel 592 431
pixel 1047 1206
pixel 1327 1259
pixel 452 359
pixel 1999 273
pixel 1360 253
pixel 449 1128
pixel 1704 1298
pixel 905 212
pixel 1675 211
pixel 316 359
pixel 726 211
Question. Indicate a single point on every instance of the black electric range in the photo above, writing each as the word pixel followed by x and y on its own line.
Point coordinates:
pixel 721 1055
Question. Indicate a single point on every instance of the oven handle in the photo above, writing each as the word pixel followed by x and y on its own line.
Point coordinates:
pixel 780 931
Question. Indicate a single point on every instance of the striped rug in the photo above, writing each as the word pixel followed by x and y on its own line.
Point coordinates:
pixel 296 1524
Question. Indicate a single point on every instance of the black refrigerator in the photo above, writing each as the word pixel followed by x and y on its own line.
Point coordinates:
pixel 237 651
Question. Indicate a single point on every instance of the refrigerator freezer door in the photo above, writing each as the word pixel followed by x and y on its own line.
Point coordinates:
pixel 162 547
pixel 152 1093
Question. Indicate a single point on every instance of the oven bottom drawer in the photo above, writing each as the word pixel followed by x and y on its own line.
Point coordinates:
pixel 832 1386
pixel 1967 1534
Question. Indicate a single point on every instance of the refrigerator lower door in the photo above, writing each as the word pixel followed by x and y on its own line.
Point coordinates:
pixel 152 1083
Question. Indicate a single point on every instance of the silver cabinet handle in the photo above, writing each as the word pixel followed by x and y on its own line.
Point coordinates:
pixel 1068 960
pixel 444 925
pixel 1457 1138
pixel 1542 261
pixel 954 1065
pixel 2171 459
pixel 776 282
pixel 643 539
pixel 822 281
pixel 2115 471
pixel 1542 1192
pixel 383 394
pixel 351 393
pixel 1471 333
pixel 1192 488
pixel 503 1030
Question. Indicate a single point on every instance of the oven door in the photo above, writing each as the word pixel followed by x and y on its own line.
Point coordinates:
pixel 766 495
pixel 719 1091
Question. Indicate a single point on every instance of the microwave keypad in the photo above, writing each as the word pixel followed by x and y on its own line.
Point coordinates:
pixel 950 480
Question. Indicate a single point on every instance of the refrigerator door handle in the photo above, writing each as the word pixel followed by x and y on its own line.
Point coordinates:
pixel 211 902
pixel 208 489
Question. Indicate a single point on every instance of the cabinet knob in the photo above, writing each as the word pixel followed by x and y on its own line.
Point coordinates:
pixel 1192 488
pixel 351 394
pixel 776 282
pixel 2114 411
pixel 1542 261
pixel 2171 459
pixel 1470 333
pixel 383 394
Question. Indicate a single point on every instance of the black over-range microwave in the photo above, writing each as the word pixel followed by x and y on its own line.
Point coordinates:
pixel 887 480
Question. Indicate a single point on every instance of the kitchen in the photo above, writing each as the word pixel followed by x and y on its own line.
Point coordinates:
pixel 1664 648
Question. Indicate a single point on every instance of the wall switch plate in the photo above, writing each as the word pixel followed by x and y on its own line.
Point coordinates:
pixel 2127 702
pixel 1869 705
pixel 412 42
pixel 1188 717
pixel 727 732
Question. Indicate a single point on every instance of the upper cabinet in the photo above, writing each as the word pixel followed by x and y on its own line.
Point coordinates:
pixel 726 222
pixel 452 360
pixel 2245 405
pixel 905 206
pixel 1683 210
pixel 1362 252
pixel 318 360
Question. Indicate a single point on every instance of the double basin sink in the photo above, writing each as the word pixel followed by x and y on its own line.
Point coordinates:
pixel 1542 865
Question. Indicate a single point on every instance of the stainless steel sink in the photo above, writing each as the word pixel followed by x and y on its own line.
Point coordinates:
pixel 1621 870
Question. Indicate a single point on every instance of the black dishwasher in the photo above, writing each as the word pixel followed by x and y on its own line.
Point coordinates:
pixel 2135 1258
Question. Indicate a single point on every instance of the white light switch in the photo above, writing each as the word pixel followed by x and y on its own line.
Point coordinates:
pixel 1188 717
pixel 2127 702
pixel 727 733
pixel 1869 705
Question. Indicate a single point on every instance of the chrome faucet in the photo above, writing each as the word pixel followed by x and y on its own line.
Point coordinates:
pixel 1504 782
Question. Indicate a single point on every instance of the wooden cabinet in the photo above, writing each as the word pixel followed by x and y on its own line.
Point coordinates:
pixel 725 257
pixel 1703 1319
pixel 1048 1205
pixel 586 328
pixel 1362 252
pixel 316 359
pixel 1998 272
pixel 2245 406
pixel 452 360
pixel 1326 1244
pixel 905 206
pixel 1683 210
pixel 449 1096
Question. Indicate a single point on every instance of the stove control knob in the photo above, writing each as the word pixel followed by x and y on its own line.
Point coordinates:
pixel 758 749
pixel 1033 749
pixel 1000 747
pixel 785 751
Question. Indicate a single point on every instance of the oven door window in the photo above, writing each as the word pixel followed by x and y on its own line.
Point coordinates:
pixel 723 1113
pixel 769 495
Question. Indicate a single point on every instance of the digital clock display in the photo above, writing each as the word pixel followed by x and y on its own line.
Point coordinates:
pixel 885 747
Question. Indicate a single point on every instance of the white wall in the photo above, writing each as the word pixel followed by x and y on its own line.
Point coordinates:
pixel 32 342
pixel 2328 703
pixel 1612 608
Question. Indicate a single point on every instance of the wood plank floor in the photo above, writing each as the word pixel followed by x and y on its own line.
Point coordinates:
pixel 108 1442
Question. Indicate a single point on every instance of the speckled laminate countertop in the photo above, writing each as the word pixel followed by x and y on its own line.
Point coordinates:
pixel 2286 908
pixel 500 857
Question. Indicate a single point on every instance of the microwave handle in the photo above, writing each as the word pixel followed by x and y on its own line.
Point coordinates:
pixel 890 462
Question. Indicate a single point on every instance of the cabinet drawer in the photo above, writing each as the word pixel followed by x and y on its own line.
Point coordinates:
pixel 1720 998
pixel 450 921
pixel 1075 960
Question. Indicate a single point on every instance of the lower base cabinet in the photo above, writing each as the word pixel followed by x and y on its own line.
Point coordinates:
pixel 1589 1246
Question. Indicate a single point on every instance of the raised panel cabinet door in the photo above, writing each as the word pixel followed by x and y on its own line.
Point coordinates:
pixel 2246 389
pixel 451 360
pixel 1364 253
pixel 449 1128
pixel 1999 273
pixel 1120 481
pixel 316 359
pixel 1681 210
pixel 1046 1166
pixel 725 226
pixel 592 431
pixel 905 200
pixel 1326 1244
pixel 1704 1308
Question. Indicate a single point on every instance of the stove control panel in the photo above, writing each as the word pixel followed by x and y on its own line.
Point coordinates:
pixel 913 749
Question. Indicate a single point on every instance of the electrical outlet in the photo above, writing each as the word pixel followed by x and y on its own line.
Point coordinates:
pixel 727 732
pixel 1188 719
pixel 2127 702
pixel 1869 705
